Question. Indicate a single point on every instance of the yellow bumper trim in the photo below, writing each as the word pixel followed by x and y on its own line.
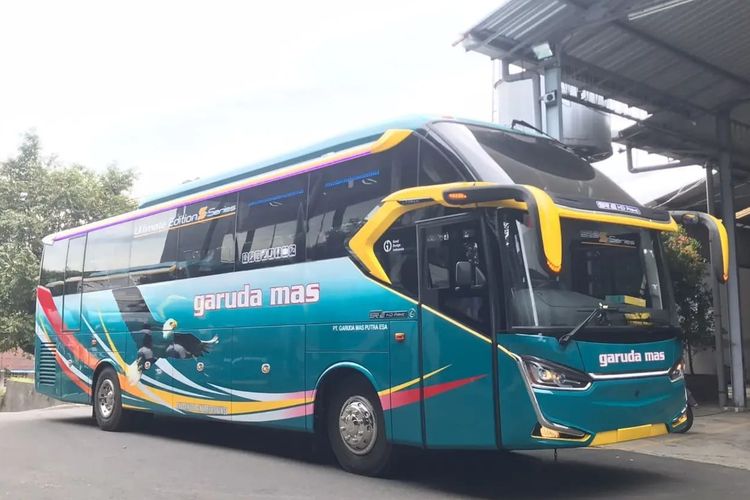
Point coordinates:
pixel 628 434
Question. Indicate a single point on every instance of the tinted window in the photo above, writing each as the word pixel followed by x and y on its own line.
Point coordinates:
pixel 271 225
pixel 435 168
pixel 74 266
pixel 74 283
pixel 53 267
pixel 403 160
pixel 153 252
pixel 397 252
pixel 445 247
pixel 206 237
pixel 343 195
pixel 397 248
pixel 107 258
pixel 500 156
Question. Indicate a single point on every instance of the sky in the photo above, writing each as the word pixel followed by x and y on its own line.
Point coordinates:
pixel 179 90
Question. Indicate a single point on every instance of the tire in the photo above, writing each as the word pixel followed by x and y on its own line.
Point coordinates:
pixel 688 422
pixel 107 401
pixel 354 405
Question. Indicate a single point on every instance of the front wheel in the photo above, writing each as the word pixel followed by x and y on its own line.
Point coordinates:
pixel 356 429
pixel 107 400
pixel 688 422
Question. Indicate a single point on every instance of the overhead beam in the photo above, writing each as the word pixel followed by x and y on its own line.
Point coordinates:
pixel 629 29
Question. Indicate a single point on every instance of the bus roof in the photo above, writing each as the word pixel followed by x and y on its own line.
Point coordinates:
pixel 338 143
pixel 353 145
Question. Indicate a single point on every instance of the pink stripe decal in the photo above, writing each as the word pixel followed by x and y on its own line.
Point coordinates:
pixel 44 297
pixel 410 396
pixel 72 376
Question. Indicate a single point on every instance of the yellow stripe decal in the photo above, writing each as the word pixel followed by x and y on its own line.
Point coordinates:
pixel 410 382
pixel 456 323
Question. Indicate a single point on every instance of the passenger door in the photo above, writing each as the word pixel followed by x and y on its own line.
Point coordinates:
pixel 456 331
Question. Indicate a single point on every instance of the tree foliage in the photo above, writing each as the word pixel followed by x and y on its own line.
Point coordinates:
pixel 39 196
pixel 694 300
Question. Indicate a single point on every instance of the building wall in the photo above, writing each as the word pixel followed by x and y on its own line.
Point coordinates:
pixel 15 359
pixel 745 313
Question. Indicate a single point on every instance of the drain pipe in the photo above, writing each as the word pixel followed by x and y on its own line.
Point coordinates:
pixel 651 168
pixel 721 380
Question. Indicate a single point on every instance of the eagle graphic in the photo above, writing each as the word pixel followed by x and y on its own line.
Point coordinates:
pixel 154 340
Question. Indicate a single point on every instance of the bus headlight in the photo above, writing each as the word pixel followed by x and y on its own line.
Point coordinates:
pixel 677 371
pixel 543 373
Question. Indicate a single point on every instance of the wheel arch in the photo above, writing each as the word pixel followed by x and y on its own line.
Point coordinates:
pixel 328 379
pixel 103 364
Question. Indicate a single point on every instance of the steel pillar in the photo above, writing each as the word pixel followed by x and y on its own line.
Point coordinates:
pixel 715 291
pixel 723 133
pixel 552 100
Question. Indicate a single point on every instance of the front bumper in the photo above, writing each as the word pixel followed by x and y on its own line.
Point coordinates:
pixel 607 412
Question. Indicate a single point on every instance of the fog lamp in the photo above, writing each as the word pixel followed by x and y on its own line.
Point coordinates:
pixel 548 433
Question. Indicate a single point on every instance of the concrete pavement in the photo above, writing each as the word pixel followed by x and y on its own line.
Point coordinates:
pixel 717 437
pixel 59 453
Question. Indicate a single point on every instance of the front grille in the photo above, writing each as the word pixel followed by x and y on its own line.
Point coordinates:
pixel 46 372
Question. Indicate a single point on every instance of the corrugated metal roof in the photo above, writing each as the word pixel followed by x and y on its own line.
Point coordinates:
pixel 681 64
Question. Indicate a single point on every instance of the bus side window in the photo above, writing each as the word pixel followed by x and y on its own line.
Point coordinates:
pixel 73 284
pixel 107 258
pixel 153 253
pixel 435 168
pixel 341 196
pixel 271 224
pixel 206 242
pixel 53 267
pixel 397 252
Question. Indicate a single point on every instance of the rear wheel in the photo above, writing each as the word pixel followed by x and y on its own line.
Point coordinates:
pixel 356 429
pixel 108 410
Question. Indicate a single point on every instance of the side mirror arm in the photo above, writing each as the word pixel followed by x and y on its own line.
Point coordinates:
pixel 718 240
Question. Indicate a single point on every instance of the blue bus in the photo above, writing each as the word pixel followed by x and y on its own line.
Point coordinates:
pixel 430 282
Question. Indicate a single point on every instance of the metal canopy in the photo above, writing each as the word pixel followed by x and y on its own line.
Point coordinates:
pixel 685 62
pixel 682 61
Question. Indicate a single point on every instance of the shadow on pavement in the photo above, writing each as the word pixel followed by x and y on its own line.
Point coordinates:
pixel 479 474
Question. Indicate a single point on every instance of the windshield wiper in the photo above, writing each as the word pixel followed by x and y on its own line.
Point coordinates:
pixel 545 134
pixel 598 313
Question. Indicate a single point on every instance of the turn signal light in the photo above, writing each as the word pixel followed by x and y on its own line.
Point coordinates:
pixel 548 433
pixel 680 420
pixel 458 196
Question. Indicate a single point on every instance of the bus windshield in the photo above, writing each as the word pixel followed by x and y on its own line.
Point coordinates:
pixel 514 158
pixel 618 266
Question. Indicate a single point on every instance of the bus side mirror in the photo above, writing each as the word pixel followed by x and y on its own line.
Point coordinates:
pixel 718 241
pixel 463 276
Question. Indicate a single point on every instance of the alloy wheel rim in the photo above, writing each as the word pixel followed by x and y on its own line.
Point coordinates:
pixel 358 427
pixel 106 398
